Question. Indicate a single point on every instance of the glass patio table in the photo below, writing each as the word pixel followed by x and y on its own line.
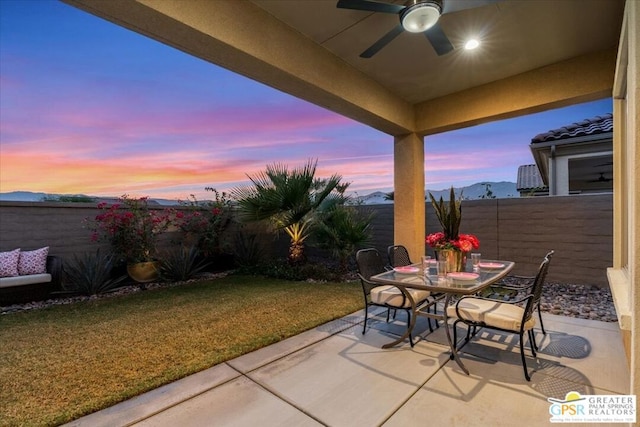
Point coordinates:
pixel 442 288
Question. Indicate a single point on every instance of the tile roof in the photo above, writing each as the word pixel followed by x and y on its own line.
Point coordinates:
pixel 529 178
pixel 598 124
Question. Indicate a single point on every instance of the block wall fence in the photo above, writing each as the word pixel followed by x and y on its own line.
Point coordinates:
pixel 579 228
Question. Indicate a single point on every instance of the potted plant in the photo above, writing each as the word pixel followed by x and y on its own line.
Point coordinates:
pixel 132 229
pixel 449 243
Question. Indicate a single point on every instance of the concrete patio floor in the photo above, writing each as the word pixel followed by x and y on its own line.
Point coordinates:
pixel 335 376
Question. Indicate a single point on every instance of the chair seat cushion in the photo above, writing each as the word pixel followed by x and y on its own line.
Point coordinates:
pixel 390 295
pixel 492 313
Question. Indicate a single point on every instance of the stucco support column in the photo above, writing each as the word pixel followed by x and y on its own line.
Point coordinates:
pixel 561 176
pixel 409 209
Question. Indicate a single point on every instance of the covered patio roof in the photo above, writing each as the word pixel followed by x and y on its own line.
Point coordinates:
pixel 533 55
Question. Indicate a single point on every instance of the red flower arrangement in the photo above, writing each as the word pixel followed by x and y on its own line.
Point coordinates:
pixel 450 214
pixel 464 242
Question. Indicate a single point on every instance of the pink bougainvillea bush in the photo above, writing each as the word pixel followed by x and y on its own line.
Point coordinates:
pixel 130 227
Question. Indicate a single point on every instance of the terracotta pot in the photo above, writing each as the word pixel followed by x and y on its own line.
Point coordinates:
pixel 456 260
pixel 144 272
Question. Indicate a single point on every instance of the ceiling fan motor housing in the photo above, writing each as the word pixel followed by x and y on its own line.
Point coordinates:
pixel 420 15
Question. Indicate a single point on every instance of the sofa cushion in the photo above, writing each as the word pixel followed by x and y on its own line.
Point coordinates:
pixel 33 262
pixel 9 263
pixel 7 282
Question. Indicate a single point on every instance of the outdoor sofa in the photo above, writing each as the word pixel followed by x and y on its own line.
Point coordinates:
pixel 28 275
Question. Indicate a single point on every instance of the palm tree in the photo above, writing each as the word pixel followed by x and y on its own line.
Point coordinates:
pixel 288 200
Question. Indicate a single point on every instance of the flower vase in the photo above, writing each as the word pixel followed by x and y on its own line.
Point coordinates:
pixel 456 260
pixel 144 272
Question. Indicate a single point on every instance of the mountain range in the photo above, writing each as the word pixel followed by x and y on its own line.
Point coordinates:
pixel 29 196
pixel 480 190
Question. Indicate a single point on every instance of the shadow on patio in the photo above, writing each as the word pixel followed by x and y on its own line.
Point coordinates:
pixel 333 375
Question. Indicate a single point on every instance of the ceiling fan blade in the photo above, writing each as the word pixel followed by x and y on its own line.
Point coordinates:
pixel 382 42
pixel 438 40
pixel 451 6
pixel 370 5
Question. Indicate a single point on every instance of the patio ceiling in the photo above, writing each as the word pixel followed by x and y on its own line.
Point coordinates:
pixel 517 36
pixel 534 55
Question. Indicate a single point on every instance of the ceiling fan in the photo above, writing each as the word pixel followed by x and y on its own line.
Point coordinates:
pixel 416 16
pixel 601 178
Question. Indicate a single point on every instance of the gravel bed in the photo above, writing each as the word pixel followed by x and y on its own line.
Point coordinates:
pixel 581 301
pixel 572 300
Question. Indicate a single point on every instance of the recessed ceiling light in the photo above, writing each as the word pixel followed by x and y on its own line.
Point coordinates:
pixel 471 44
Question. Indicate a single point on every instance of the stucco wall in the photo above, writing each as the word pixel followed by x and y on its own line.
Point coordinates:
pixel 578 228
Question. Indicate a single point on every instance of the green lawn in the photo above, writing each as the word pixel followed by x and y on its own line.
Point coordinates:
pixel 60 363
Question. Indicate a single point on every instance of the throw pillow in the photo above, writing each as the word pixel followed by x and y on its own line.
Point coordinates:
pixel 9 263
pixel 33 262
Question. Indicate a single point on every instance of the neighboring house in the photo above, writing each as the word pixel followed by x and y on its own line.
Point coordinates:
pixel 574 159
pixel 530 182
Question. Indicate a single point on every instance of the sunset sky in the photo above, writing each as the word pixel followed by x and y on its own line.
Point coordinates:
pixel 87 107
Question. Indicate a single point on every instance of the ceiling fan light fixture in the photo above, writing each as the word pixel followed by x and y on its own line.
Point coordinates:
pixel 420 15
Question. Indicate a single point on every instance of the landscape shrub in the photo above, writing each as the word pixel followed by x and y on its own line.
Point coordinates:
pixel 247 250
pixel 342 230
pixel 92 274
pixel 182 263
pixel 204 222
pixel 130 227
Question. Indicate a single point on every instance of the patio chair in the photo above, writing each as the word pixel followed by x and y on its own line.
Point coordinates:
pixel 398 256
pixel 513 285
pixel 369 264
pixel 505 316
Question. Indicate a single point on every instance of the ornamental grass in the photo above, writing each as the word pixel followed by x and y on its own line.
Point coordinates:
pixel 63 362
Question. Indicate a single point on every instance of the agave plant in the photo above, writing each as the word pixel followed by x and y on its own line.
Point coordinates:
pixel 449 214
pixel 182 263
pixel 247 250
pixel 91 273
